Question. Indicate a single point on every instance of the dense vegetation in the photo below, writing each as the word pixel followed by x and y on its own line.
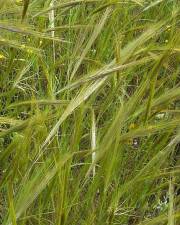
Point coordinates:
pixel 89 112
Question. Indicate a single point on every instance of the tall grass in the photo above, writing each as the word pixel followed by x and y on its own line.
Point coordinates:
pixel 89 124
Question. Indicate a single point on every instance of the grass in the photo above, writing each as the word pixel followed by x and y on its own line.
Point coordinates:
pixel 90 112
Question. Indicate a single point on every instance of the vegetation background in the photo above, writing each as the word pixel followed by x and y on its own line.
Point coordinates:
pixel 89 112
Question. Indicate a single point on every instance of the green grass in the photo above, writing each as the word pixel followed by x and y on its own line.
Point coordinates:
pixel 90 112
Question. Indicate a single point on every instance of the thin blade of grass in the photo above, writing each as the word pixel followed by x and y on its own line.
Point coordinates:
pixel 96 32
pixel 25 8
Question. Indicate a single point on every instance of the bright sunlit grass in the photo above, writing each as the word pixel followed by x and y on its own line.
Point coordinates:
pixel 90 112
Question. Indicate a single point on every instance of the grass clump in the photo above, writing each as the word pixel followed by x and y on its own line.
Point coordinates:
pixel 89 123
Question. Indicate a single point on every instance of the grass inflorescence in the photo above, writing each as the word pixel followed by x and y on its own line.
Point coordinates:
pixel 90 112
